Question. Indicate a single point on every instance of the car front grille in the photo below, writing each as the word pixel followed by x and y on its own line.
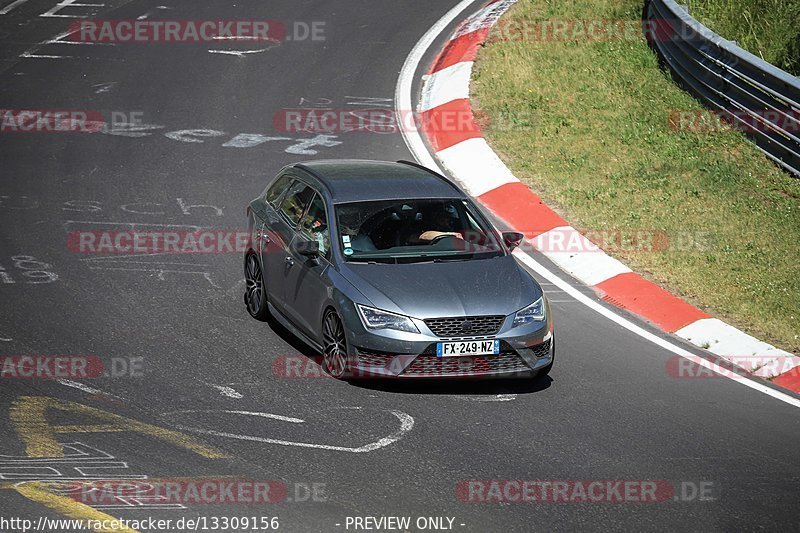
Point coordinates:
pixel 542 349
pixel 467 365
pixel 465 326
pixel 368 358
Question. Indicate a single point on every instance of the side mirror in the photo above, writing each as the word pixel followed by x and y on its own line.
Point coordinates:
pixel 307 248
pixel 512 239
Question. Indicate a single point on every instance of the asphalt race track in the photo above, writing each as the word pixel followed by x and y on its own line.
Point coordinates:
pixel 199 366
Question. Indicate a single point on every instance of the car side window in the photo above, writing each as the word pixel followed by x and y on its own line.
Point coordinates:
pixel 314 225
pixel 295 202
pixel 275 191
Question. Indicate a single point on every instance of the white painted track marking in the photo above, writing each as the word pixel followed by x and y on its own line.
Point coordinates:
pixel 235 38
pixel 406 425
pixel 238 53
pixel 224 390
pixel 79 386
pixel 132 225
pixel 53 13
pixel 420 152
pixel 493 398
pixel 253 413
pixel 11 6
pixel 147 15
pixel 104 88
pixel 40 56
pixel 86 388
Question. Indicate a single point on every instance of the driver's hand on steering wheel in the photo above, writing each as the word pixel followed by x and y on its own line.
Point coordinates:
pixel 431 235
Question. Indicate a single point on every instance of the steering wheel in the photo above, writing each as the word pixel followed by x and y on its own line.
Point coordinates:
pixel 439 238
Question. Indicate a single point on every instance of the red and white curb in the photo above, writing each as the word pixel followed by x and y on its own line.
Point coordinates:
pixel 467 157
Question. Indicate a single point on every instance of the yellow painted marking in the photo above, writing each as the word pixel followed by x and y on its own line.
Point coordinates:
pixel 29 416
pixel 66 506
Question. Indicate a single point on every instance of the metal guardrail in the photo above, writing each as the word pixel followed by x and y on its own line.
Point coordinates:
pixel 746 91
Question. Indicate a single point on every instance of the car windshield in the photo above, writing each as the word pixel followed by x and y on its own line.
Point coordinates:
pixel 414 230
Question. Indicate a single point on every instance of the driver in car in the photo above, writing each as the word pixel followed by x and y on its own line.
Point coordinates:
pixel 441 220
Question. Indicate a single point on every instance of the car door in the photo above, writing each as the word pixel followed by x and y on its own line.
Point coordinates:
pixel 264 210
pixel 306 283
pixel 280 229
pixel 265 217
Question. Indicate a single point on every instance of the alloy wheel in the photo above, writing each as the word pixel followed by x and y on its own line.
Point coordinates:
pixel 254 281
pixel 335 345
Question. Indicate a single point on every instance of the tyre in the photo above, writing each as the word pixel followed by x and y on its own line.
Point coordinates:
pixel 335 360
pixel 255 294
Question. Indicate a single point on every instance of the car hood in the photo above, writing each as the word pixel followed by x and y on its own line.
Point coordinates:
pixel 497 286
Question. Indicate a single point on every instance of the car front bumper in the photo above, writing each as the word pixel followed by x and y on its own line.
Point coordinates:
pixel 524 351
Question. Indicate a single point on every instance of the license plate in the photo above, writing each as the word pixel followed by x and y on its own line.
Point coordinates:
pixel 456 349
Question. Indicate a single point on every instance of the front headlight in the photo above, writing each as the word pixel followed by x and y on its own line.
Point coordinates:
pixel 377 319
pixel 532 313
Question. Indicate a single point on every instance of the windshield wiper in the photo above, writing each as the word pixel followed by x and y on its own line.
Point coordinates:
pixel 455 258
pixel 382 260
pixel 428 259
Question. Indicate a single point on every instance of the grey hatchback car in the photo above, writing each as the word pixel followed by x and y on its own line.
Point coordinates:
pixel 390 270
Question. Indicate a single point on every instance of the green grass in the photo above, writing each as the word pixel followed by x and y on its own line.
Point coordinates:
pixel 585 124
pixel 769 29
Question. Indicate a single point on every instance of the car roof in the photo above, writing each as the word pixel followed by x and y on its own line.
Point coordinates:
pixel 354 180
